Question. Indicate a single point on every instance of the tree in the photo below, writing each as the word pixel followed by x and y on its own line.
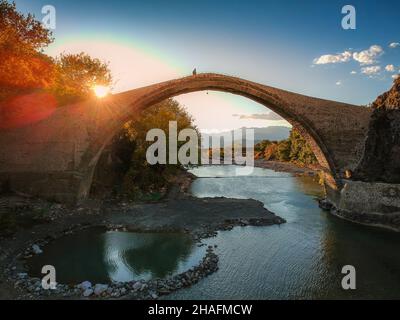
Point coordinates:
pixel 300 150
pixel 140 177
pixel 21 33
pixel 77 74
pixel 283 150
pixel 24 67
pixel 22 39
pixel 294 149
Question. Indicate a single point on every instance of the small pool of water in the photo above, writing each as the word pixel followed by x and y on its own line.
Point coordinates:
pixel 101 256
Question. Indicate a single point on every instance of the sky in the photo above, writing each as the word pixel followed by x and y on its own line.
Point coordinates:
pixel 298 46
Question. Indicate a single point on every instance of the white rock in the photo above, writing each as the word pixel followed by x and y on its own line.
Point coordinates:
pixel 144 286
pixel 137 286
pixel 85 285
pixel 100 288
pixel 36 249
pixel 154 296
pixel 88 292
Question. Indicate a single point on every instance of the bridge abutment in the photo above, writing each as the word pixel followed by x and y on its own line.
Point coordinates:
pixel 368 203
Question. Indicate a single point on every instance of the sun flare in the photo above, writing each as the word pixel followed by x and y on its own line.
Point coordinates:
pixel 101 91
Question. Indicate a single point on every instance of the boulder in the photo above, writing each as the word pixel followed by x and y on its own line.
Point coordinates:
pixel 136 286
pixel 87 292
pixel 99 289
pixel 85 285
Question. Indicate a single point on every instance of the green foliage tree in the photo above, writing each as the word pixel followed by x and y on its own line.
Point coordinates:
pixel 300 150
pixel 142 179
pixel 283 150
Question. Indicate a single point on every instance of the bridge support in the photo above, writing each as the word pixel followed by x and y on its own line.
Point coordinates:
pixel 369 203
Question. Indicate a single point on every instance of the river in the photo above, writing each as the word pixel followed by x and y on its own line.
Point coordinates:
pixel 301 259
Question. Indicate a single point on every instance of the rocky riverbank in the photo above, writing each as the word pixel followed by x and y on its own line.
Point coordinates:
pixel 31 288
pixel 287 167
pixel 199 218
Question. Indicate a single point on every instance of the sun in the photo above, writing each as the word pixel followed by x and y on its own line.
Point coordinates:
pixel 101 91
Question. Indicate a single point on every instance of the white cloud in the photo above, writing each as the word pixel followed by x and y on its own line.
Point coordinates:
pixel 353 72
pixel 394 45
pixel 389 68
pixel 333 58
pixel 368 56
pixel 338 83
pixel 365 57
pixel 395 76
pixel 371 70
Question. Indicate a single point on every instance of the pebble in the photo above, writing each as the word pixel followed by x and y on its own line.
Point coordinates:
pixel 88 292
pixel 154 296
pixel 137 286
pixel 99 289
pixel 85 285
pixel 36 249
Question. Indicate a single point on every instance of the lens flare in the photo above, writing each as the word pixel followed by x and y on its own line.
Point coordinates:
pixel 101 91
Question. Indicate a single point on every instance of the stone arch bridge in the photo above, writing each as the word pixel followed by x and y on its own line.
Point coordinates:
pixel 55 157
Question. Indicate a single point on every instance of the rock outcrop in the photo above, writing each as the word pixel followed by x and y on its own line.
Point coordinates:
pixel 381 159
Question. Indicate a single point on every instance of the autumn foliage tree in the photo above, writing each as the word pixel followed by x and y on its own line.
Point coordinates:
pixel 77 74
pixel 25 67
pixel 294 149
pixel 22 40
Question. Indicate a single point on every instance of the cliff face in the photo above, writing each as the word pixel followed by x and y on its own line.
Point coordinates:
pixel 381 159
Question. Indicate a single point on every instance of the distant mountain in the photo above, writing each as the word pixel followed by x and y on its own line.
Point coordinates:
pixel 271 133
pixel 268 133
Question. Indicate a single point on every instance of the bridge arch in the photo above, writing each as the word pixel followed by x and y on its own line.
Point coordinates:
pixel 308 115
pixel 54 155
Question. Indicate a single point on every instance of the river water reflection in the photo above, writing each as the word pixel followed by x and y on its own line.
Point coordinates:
pixel 300 259
pixel 101 256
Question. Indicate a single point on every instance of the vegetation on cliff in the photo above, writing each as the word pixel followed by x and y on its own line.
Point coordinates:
pixel 381 158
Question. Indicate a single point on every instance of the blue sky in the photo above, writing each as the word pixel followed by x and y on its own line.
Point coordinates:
pixel 278 43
